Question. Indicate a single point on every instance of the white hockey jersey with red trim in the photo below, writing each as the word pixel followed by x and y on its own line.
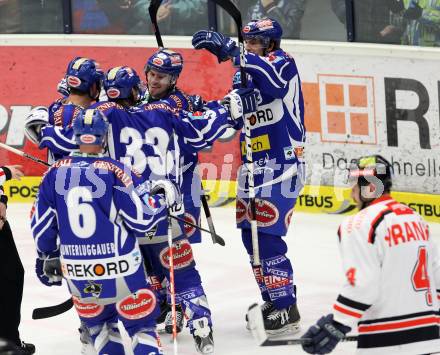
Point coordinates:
pixel 392 287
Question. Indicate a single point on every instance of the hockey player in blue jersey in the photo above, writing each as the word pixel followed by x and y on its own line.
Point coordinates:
pixel 83 83
pixel 121 85
pixel 162 71
pixel 278 137
pixel 101 205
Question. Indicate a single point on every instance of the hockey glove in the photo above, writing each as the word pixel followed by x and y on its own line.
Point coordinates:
pixel 48 268
pixel 325 335
pixel 169 191
pixel 241 102
pixel 196 103
pixel 34 122
pixel 216 43
pixel 63 88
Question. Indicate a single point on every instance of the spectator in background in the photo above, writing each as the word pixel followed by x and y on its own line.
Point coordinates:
pixel 11 272
pixel 10 19
pixel 373 20
pixel 287 12
pixel 422 22
pixel 177 17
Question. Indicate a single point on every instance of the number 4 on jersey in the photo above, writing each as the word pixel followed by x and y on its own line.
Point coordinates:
pixel 420 278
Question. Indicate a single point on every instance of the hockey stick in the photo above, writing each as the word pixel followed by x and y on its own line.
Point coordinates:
pixel 232 10
pixel 52 311
pixel 23 154
pixel 195 226
pixel 152 10
pixel 256 324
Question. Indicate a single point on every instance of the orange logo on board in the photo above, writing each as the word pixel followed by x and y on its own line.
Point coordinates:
pixel 341 108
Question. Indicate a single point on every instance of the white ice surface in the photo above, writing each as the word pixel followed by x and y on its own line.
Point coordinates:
pixel 227 279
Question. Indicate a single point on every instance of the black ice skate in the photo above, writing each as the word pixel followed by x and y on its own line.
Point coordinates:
pixel 179 320
pixel 266 308
pixel 164 309
pixel 203 336
pixel 282 321
pixel 26 348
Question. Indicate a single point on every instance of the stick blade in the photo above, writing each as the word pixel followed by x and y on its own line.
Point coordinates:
pixel 256 324
pixel 52 311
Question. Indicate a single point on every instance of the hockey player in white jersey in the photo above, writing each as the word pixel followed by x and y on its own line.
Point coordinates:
pixel 392 268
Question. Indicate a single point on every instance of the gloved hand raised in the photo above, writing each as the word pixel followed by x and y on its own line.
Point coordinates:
pixel 34 122
pixel 169 191
pixel 48 268
pixel 241 102
pixel 219 45
pixel 325 335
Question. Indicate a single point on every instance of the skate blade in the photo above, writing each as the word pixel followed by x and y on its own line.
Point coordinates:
pixel 88 349
pixel 286 330
pixel 207 349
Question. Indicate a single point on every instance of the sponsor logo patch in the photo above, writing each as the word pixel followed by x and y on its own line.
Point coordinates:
pixel 288 218
pixel 158 61
pixel 240 210
pixel 113 93
pixel 87 310
pixel 138 305
pixel 189 230
pixel 73 81
pixel 182 255
pixel 259 144
pixel 87 138
pixel 289 153
pixel 267 213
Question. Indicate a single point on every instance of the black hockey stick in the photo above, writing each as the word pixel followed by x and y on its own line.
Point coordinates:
pixel 234 12
pixel 23 154
pixel 52 311
pixel 152 10
pixel 256 325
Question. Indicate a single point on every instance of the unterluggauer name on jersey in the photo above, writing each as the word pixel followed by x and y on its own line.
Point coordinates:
pixel 88 250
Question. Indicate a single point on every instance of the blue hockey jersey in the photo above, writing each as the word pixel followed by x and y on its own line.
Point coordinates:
pixel 89 207
pixel 277 130
pixel 61 116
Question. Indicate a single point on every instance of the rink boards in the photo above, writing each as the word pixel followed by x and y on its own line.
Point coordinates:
pixel 314 199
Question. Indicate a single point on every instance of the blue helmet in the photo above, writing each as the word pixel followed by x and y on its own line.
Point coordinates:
pixel 265 29
pixel 120 81
pixel 82 73
pixel 90 127
pixel 165 61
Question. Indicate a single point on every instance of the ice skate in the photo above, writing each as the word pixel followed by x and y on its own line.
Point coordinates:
pixel 179 320
pixel 266 308
pixel 282 321
pixel 87 347
pixel 203 337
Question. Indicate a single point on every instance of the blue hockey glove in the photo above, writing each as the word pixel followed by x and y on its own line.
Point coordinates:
pixel 222 47
pixel 48 268
pixel 325 335
pixel 240 102
pixel 196 102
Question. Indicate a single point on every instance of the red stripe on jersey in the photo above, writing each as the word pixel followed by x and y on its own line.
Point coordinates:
pixel 373 226
pixel 347 311
pixel 2 172
pixel 431 320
